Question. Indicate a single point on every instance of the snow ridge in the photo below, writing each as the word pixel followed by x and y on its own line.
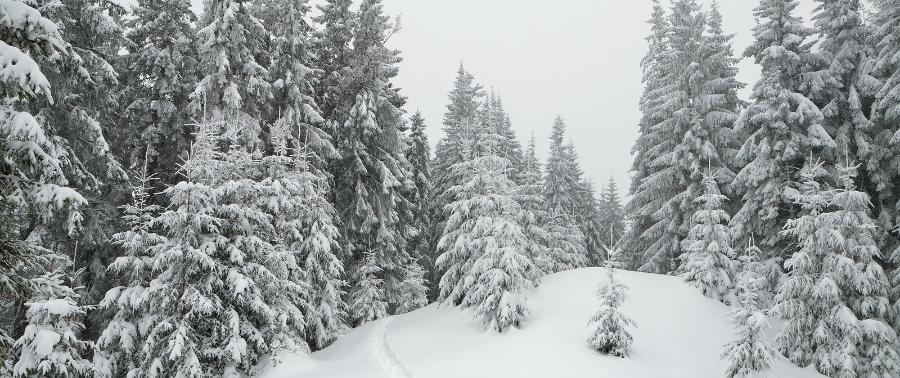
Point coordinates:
pixel 383 353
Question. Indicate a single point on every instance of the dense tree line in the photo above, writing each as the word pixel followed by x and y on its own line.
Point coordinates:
pixel 786 201
pixel 199 192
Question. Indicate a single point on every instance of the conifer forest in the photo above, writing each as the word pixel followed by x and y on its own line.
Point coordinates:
pixel 219 193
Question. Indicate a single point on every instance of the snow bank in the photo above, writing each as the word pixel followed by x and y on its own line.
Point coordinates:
pixel 680 333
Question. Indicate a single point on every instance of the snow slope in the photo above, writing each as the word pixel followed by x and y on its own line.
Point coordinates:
pixel 680 333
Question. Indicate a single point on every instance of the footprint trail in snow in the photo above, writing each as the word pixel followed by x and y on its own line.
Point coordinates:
pixel 383 353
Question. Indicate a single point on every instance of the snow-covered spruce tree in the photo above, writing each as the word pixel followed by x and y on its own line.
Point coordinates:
pixel 119 344
pixel 374 184
pixel 885 114
pixel 863 283
pixel 807 296
pixel 293 79
pixel 530 197
pixel 781 127
pixel 307 238
pixel 332 52
pixel 644 203
pixel 698 101
pixel 708 262
pixel 162 46
pixel 750 353
pixel 835 289
pixel 562 194
pixel 367 300
pixel 222 295
pixel 33 185
pixel 492 117
pixel 49 346
pixel 459 127
pixel 610 336
pixel 589 219
pixel 422 247
pixel 844 82
pixel 234 88
pixel 484 247
pixel 612 215
pixel 82 121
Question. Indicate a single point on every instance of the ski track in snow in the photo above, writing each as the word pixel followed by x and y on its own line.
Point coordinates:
pixel 383 353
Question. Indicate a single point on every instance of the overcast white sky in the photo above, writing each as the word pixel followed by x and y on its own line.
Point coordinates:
pixel 576 58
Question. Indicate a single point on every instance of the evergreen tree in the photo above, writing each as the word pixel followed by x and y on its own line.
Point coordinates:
pixel 696 103
pixel 781 127
pixel 234 86
pixel 610 335
pixel 34 187
pixel 293 80
pixel 708 262
pixel 562 196
pixel 222 294
pixel 307 238
pixel 81 119
pixel 119 344
pixel 843 84
pixel 49 347
pixel 331 44
pixel 750 353
pixel 590 219
pixel 162 45
pixel 835 290
pixel 459 129
pixel 645 203
pixel 612 216
pixel 374 184
pixel 422 247
pixel 863 283
pixel 530 197
pixel 485 250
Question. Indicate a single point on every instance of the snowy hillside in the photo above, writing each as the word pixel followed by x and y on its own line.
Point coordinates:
pixel 680 333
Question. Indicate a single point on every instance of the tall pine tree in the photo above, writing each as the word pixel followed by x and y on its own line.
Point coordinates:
pixel 562 199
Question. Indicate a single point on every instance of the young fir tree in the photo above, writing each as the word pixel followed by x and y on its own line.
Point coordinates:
pixel 422 248
pixel 35 186
pixel 374 184
pixel 612 216
pixel 644 203
pixel 781 127
pixel 307 238
pixel 49 346
pixel 562 196
pixel 610 336
pixel 750 353
pixel 863 284
pixel 708 262
pixel 835 290
pixel 162 46
pixel 119 345
pixel 484 247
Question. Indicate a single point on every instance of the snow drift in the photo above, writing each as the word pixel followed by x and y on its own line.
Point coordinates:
pixel 680 333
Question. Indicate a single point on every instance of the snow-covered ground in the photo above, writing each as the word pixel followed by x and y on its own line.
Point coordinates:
pixel 680 333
